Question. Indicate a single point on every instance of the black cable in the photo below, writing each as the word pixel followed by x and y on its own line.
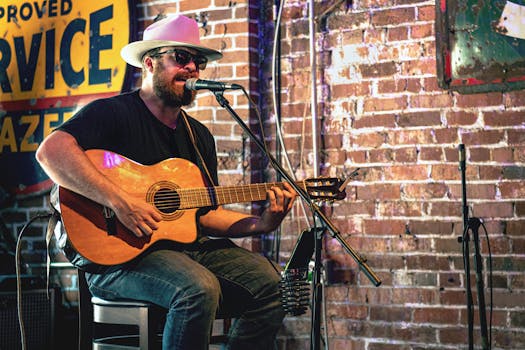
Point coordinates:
pixel 490 285
pixel 18 278
pixel 466 265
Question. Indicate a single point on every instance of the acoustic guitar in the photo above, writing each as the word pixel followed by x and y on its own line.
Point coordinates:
pixel 175 187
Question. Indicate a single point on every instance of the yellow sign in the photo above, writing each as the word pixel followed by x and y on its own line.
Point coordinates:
pixel 55 56
pixel 58 48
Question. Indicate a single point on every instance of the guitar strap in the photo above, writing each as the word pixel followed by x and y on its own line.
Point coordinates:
pixel 200 159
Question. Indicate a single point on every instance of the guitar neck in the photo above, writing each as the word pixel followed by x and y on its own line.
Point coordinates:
pixel 191 198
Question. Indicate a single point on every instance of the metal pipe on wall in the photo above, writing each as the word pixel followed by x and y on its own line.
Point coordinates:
pixel 313 97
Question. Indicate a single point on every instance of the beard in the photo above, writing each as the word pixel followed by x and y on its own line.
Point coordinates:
pixel 171 94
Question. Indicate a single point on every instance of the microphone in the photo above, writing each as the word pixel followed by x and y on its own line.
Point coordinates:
pixel 200 84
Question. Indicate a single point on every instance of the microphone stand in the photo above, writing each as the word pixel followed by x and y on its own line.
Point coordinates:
pixel 326 224
pixel 472 224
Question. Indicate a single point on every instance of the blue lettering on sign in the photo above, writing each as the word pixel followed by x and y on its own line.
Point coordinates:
pixel 27 62
pixel 98 43
pixel 28 9
pixel 71 77
pixel 50 59
pixel 27 66
pixel 4 63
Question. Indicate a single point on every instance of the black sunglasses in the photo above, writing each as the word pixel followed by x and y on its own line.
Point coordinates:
pixel 183 57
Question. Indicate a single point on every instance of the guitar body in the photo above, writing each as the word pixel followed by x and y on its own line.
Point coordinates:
pixel 176 189
pixel 88 229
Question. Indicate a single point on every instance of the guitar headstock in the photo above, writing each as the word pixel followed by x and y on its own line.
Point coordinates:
pixel 326 188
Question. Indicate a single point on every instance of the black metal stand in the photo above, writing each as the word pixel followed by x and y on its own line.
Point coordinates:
pixel 472 225
pixel 327 225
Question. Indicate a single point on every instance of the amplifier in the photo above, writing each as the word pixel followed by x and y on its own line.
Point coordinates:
pixel 38 314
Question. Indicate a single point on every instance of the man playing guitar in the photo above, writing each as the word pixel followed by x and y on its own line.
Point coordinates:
pixel 197 277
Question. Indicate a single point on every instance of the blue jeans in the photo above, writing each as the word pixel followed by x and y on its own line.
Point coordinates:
pixel 195 283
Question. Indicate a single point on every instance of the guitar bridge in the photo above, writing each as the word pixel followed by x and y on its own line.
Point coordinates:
pixel 111 222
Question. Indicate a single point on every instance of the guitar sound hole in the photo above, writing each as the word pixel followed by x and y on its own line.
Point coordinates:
pixel 167 200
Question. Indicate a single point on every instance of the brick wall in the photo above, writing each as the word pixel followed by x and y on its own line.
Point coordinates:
pixel 383 111
pixel 380 109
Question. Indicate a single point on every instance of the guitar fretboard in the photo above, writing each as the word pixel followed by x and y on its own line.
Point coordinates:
pixel 210 196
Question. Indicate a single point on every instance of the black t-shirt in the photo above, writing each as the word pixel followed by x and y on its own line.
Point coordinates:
pixel 124 125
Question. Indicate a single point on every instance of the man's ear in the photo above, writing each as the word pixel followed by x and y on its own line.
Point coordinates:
pixel 148 63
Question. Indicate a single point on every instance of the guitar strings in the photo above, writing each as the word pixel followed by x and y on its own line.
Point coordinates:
pixel 201 196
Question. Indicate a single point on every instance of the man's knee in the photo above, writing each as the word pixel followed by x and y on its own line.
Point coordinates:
pixel 204 293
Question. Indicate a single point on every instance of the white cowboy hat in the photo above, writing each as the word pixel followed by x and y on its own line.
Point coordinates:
pixel 175 30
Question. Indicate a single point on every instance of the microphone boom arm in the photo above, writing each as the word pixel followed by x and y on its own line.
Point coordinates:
pixel 334 232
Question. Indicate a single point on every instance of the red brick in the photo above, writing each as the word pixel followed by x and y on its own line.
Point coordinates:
pixel 394 16
pixel 489 172
pixel 493 209
pixel 349 19
pixel 451 154
pixel 425 190
pixel 447 172
pixel 405 296
pixel 347 311
pixel 406 172
pixel 446 209
pixel 505 118
pixel 431 101
pixel 397 34
pixel 398 85
pixel 385 104
pixel 373 121
pixel 422 31
pixel 431 85
pixel 483 137
pixel 474 191
pixel 346 90
pixel 514 98
pixel 374 139
pixel 351 37
pixel 408 244
pixel 400 209
pixel 520 208
pixel 461 118
pixel 479 154
pixel 516 137
pixel 384 227
pixel 404 137
pixel 436 315
pixel 515 227
pixel 356 156
pixel 426 13
pixel 405 155
pixel 498 245
pixel 380 191
pixel 479 100
pixel 378 69
pixel 431 154
pixel 511 190
pixel 380 155
pixel 509 338
pixel 195 4
pixel 419 119
pixel 502 155
pixel 448 135
pixel 519 154
pixel 390 314
pixel 454 335
pixel 344 344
